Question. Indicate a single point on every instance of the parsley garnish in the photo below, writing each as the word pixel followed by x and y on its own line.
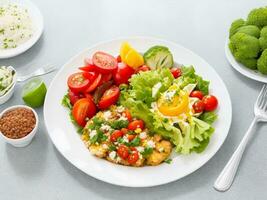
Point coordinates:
pixel 119 124
pixel 135 142
pixel 168 161
pixel 147 151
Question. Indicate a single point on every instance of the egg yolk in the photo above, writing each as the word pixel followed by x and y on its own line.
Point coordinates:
pixel 174 106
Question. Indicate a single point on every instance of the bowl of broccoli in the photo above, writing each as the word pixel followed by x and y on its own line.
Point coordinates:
pixel 246 45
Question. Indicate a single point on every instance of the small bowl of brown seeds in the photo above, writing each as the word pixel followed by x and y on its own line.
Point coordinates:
pixel 18 125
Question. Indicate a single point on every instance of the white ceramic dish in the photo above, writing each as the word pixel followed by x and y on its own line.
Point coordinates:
pixel 22 142
pixel 253 74
pixel 10 91
pixel 38 23
pixel 69 144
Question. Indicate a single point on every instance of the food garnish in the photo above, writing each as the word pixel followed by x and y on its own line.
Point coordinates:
pixel 6 79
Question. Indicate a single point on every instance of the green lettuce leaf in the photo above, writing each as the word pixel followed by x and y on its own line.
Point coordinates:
pixel 208 117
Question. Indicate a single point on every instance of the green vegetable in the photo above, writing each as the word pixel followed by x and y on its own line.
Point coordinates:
pixel 168 161
pixel 99 137
pixel 245 49
pixel 158 57
pixel 235 26
pixel 112 147
pixel 135 142
pixel 258 17
pixel 119 124
pixel 208 117
pixel 250 30
pixel 262 62
pixel 147 151
pixel 263 38
pixel 66 102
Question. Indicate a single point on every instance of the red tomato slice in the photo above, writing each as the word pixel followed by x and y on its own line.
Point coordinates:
pixel 136 124
pixel 104 62
pixel 105 78
pixel 123 73
pixel 92 86
pixel 83 109
pixel 176 72
pixel 131 137
pixel 91 76
pixel 77 82
pixel 109 97
pixel 133 157
pixel 115 135
pixel 123 151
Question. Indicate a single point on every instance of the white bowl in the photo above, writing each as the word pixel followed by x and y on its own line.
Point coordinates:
pixel 10 92
pixel 21 142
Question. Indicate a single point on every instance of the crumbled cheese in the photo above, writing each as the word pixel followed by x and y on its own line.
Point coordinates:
pixel 143 135
pixel 107 115
pixel 140 156
pixel 105 146
pixel 125 139
pixel 105 127
pixel 150 144
pixel 156 88
pixel 118 159
pixel 112 155
pixel 123 118
pixel 92 133
pixel 169 95
pixel 120 109
pixel 161 149
pixel 140 149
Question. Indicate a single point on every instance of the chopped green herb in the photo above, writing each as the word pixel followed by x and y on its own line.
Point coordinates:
pixel 135 142
pixel 168 161
pixel 147 151
pixel 120 140
pixel 99 137
pixel 66 101
pixel 112 147
pixel 119 124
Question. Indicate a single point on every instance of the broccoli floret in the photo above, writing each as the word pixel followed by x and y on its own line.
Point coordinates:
pixel 235 26
pixel 158 57
pixel 245 49
pixel 258 17
pixel 263 38
pixel 262 62
pixel 250 30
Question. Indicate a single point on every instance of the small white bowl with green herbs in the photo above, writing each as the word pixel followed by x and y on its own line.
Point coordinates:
pixel 8 79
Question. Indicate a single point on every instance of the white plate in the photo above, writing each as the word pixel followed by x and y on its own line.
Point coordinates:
pixel 253 74
pixel 38 24
pixel 68 142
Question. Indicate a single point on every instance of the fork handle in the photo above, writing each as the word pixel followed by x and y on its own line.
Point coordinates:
pixel 226 177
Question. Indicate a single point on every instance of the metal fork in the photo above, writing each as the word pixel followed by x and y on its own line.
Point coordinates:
pixel 225 179
pixel 38 72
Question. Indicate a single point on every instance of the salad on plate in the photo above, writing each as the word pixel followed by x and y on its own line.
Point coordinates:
pixel 136 109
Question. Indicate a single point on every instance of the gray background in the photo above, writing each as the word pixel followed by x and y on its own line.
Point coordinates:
pixel 40 172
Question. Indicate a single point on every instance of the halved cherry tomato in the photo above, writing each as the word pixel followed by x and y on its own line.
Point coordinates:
pixel 91 76
pixel 123 73
pixel 89 96
pixel 136 124
pixel 115 135
pixel 92 86
pixel 105 78
pixel 133 157
pixel 127 114
pixel 124 130
pixel 84 108
pixel 118 58
pixel 198 106
pixel 77 82
pixel 123 151
pixel 131 137
pixel 143 68
pixel 109 97
pixel 197 94
pixel 104 62
pixel 73 97
pixel 210 102
pixel 176 72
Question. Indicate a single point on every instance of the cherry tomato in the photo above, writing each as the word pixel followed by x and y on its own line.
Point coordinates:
pixel 91 76
pixel 104 62
pixel 118 58
pixel 198 106
pixel 128 115
pixel 82 109
pixel 210 102
pixel 92 86
pixel 73 97
pixel 136 124
pixel 109 97
pixel 77 83
pixel 115 135
pixel 123 151
pixel 131 137
pixel 176 72
pixel 123 73
pixel 105 78
pixel 124 130
pixel 197 94
pixel 143 68
pixel 133 157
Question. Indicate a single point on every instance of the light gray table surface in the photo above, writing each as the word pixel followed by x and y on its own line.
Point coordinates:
pixel 40 172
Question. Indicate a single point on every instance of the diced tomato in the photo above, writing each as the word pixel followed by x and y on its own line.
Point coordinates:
pixel 197 94
pixel 123 151
pixel 176 72
pixel 123 73
pixel 109 97
pixel 84 108
pixel 133 157
pixel 143 68
pixel 131 137
pixel 128 115
pixel 115 135
pixel 77 82
pixel 136 124
pixel 92 86
pixel 104 63
pixel 124 130
pixel 118 58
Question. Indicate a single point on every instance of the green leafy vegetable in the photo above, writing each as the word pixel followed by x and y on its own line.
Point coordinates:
pixel 209 117
pixel 119 124
pixel 168 161
pixel 66 102
pixel 135 142
pixel 147 151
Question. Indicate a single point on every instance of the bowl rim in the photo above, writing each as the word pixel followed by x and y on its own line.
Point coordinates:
pixel 29 134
